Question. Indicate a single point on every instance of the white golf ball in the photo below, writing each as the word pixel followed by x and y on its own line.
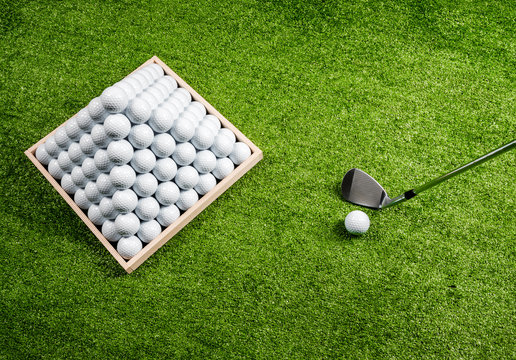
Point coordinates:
pixel 78 177
pixel 163 145
pixel 187 199
pixel 102 161
pixel 208 125
pixel 157 93
pixel 84 120
pixel 128 89
pixel 114 99
pixel 81 200
pixel 158 70
pixel 167 193
pixel 125 201
pixel 135 84
pixel 95 216
pixel 143 161
pixel 42 155
pixel 55 170
pixel 212 119
pixel 138 111
pixel 162 89
pixel 149 230
pixel 117 126
pixel 206 183
pixel 141 136
pixel 92 192
pixel 190 116
pixel 227 133
pixel 122 177
pixel 88 147
pixel 96 110
pixel 127 224
pixel 172 109
pixel 61 138
pixel 182 95
pixel 165 169
pixel 205 161
pixel 223 168
pixel 138 75
pixel 107 209
pixel 169 82
pixel 109 231
pixel 222 146
pixel 89 169
pixel 176 103
pixel 65 162
pixel 68 185
pixel 99 136
pixel 198 108
pixel 167 215
pixel 128 247
pixel 147 208
pixel 75 153
pixel 120 152
pixel 145 185
pixel 104 185
pixel 161 119
pixel 52 148
pixel 240 153
pixel 182 130
pixel 150 99
pixel 202 138
pixel 184 154
pixel 148 74
pixel 357 222
pixel 187 177
pixel 73 130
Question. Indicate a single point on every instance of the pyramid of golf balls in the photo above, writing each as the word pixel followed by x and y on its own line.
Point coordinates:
pixel 139 155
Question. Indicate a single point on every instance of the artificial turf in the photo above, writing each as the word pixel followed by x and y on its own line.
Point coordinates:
pixel 404 90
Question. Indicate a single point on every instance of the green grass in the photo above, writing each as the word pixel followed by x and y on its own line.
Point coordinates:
pixel 405 90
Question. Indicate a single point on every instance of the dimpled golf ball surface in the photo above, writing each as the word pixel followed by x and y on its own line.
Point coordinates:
pixel 357 222
pixel 128 247
pixel 139 155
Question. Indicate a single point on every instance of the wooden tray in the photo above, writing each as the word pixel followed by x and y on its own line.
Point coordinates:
pixel 187 216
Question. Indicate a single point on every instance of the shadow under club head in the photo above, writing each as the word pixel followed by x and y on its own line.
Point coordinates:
pixel 361 189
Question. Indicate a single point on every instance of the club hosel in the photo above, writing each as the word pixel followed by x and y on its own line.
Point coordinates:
pixel 407 195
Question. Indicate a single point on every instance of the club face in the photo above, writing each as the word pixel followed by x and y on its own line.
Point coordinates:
pixel 361 189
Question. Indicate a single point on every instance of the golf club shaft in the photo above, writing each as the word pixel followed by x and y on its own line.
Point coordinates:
pixel 411 193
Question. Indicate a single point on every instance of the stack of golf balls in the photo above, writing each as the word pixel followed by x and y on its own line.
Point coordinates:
pixel 139 155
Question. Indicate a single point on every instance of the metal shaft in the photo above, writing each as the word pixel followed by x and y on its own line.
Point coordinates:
pixel 411 193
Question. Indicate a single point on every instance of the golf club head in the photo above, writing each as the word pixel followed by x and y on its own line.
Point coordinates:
pixel 361 189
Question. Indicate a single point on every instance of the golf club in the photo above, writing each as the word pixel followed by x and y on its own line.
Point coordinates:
pixel 361 189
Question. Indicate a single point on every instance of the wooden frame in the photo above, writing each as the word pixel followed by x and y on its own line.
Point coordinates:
pixel 187 216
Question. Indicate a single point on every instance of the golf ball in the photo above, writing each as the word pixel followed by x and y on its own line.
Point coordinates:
pixel 182 130
pixel 240 153
pixel 186 177
pixel 95 216
pixel 117 126
pixel 87 145
pixel 205 161
pixel 167 193
pixel 141 136
pixel 203 138
pixel 65 162
pixel 149 230
pixel 89 169
pixel 165 169
pixel 122 177
pixel 114 99
pixel 102 161
pixel 357 222
pixel 222 146
pixel 51 147
pixel 75 153
pixel 96 110
pixel 61 138
pixel 81 200
pixel 42 155
pixel 55 170
pixel 127 224
pixel 99 136
pixel 84 120
pixel 227 133
pixel 206 183
pixel 161 119
pixel 68 185
pixel 167 215
pixel 72 129
pixel 120 152
pixel 78 177
pixel 138 111
pixel 187 199
pixel 92 192
pixel 107 209
pixel 145 185
pixel 184 154
pixel 163 145
pixel 125 201
pixel 104 185
pixel 147 208
pixel 109 231
pixel 143 161
pixel 128 247
pixel 223 168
